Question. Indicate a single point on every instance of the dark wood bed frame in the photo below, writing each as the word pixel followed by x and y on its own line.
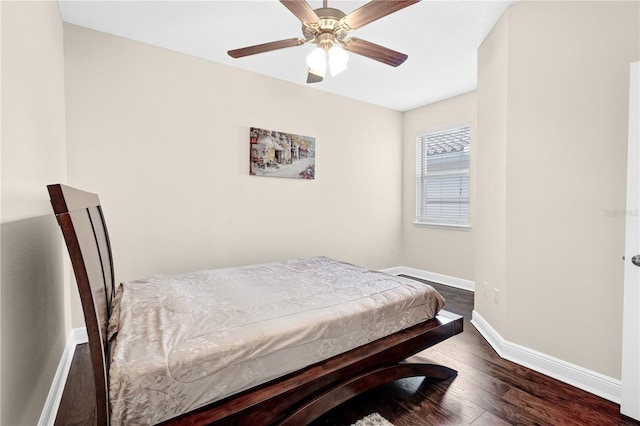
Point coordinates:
pixel 295 399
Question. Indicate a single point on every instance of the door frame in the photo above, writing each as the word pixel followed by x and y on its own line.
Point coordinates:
pixel 630 394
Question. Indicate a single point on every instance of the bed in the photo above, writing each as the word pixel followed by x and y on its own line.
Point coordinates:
pixel 274 343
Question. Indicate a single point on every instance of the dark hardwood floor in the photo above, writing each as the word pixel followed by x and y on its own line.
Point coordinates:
pixel 488 390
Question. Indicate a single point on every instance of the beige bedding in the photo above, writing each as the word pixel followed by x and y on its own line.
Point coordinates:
pixel 181 341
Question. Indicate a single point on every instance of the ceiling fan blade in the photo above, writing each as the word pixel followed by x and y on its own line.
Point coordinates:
pixel 375 51
pixel 265 47
pixel 302 10
pixel 314 76
pixel 374 10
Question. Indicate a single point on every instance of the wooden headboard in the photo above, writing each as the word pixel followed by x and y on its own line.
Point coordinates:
pixel 80 216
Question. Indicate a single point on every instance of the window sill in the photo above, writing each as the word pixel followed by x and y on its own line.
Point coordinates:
pixel 448 226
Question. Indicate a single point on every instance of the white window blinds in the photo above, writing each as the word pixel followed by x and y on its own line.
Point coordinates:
pixel 442 181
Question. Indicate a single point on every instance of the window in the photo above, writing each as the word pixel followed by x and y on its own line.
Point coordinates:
pixel 442 178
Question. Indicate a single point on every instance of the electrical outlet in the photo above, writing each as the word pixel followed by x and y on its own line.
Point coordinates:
pixel 496 296
pixel 394 249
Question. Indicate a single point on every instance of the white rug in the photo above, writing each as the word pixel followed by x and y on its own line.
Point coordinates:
pixel 373 419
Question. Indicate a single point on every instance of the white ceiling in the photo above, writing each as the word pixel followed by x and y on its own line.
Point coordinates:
pixel 440 37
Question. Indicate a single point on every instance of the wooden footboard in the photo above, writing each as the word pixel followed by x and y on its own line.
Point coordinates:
pixel 300 397
pixel 294 399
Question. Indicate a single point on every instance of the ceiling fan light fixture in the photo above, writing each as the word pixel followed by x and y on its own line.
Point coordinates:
pixel 317 60
pixel 338 59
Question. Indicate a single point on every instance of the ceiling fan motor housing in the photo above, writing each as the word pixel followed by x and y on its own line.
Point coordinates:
pixel 327 30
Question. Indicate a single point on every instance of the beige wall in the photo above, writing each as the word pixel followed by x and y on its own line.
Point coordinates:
pixel 440 251
pixel 163 138
pixel 32 309
pixel 491 165
pixel 565 66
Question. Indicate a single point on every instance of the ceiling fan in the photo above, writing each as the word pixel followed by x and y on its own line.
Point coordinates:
pixel 328 29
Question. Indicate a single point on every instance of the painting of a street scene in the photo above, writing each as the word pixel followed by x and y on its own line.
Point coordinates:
pixel 279 154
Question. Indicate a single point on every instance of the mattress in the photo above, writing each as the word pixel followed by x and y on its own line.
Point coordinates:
pixel 181 341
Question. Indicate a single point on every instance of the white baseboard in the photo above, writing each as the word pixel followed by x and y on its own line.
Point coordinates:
pixel 582 378
pixel 50 409
pixel 80 335
pixel 432 276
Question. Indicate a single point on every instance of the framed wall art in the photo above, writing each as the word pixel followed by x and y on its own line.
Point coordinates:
pixel 279 154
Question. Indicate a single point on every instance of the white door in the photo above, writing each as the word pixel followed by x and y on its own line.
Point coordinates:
pixel 630 398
